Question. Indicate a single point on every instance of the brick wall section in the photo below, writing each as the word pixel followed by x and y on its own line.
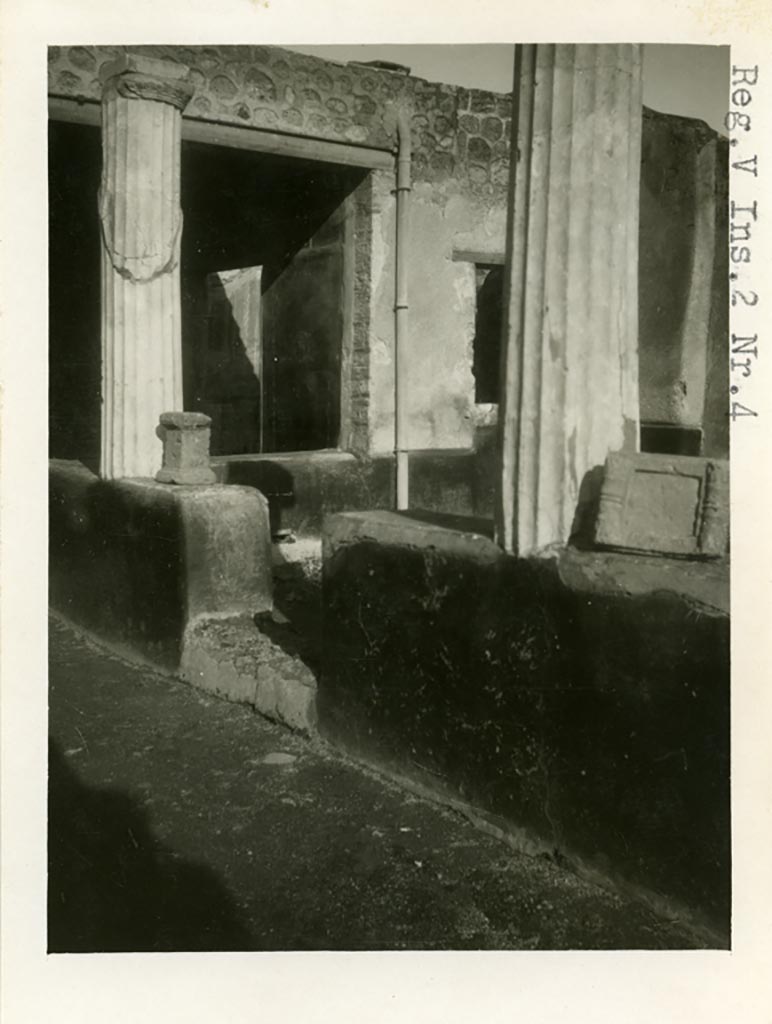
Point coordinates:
pixel 456 131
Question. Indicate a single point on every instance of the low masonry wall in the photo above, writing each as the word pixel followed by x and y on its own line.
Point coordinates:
pixel 582 702
pixel 304 487
pixel 179 578
pixel 136 562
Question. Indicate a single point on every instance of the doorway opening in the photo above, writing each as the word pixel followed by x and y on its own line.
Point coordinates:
pixel 267 277
pixel 267 274
pixel 74 254
pixel 486 344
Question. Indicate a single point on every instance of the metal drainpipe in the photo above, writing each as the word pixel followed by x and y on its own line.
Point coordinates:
pixel 400 311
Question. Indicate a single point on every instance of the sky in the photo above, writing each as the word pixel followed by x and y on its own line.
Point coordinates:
pixel 689 80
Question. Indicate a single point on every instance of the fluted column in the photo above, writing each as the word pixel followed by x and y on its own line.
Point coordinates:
pixel 570 380
pixel 139 209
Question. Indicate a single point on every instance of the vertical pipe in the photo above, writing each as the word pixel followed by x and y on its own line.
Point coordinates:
pixel 401 311
pixel 511 370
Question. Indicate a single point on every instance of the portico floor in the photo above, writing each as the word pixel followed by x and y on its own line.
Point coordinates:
pixel 181 822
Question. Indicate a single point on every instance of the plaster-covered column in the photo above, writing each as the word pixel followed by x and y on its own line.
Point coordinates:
pixel 139 208
pixel 570 382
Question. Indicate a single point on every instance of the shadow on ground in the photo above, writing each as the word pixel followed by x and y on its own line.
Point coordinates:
pixel 113 888
pixel 298 598
pixel 179 822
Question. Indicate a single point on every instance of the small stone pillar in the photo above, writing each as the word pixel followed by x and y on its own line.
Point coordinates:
pixel 139 209
pixel 569 392
pixel 185 437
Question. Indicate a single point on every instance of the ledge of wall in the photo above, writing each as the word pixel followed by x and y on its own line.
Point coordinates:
pixel 303 487
pixel 584 700
pixel 136 562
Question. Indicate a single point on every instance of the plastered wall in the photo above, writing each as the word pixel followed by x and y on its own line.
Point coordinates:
pixel 441 405
pixel 683 275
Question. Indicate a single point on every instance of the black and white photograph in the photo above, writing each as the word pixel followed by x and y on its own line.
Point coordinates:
pixel 383 399
pixel 389 499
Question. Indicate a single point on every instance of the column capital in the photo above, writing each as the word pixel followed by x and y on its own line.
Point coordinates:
pixel 147 78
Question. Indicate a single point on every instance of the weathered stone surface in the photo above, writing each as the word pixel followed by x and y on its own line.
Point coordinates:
pixel 585 700
pixel 570 391
pixel 145 78
pixel 185 437
pixel 684 300
pixel 279 757
pixel 664 504
pixel 136 562
pixel 139 206
pixel 236 660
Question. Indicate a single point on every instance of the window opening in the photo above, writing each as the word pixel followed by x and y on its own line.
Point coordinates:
pixel 486 345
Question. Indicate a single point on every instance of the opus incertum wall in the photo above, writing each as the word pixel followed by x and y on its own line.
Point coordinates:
pixel 281 91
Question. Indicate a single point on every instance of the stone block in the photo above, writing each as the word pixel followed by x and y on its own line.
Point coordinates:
pixel 136 562
pixel 582 700
pixel 186 437
pixel 665 505
pixel 234 659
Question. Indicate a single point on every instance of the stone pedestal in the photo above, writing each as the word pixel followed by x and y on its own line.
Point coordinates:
pixel 139 208
pixel 140 565
pixel 185 437
pixel 570 384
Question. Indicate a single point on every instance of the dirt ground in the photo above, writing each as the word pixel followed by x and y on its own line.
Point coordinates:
pixel 180 822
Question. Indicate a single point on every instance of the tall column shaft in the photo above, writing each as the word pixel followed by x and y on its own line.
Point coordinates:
pixel 570 378
pixel 139 207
